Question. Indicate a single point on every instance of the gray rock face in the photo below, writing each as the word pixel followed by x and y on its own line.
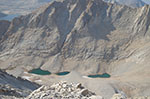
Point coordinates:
pixel 4 25
pixel 131 3
pixel 17 87
pixel 63 90
pixel 2 15
pixel 91 33
pixel 6 90
pixel 88 36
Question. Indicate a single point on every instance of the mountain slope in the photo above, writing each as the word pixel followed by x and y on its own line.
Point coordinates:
pixel 2 15
pixel 88 36
pixel 11 86
pixel 132 3
pixel 96 33
pixel 4 25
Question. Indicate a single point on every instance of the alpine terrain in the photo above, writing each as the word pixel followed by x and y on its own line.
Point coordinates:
pixel 131 3
pixel 2 15
pixel 84 37
pixel 14 87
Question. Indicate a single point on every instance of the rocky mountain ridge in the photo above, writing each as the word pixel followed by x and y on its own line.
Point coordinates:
pixel 11 86
pixel 52 37
pixel 63 90
pixel 2 14
pixel 60 90
pixel 131 3
pixel 88 36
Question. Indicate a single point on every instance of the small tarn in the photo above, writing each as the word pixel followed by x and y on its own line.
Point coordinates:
pixel 40 72
pixel 105 75
pixel 62 73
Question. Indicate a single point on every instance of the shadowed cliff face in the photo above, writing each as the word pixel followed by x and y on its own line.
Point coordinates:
pixel 4 25
pixel 11 86
pixel 2 15
pixel 89 36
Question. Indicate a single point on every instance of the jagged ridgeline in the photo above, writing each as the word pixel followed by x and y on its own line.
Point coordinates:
pixel 89 36
pixel 131 3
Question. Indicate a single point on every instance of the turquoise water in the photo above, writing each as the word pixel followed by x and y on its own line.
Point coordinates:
pixel 62 73
pixel 40 72
pixel 9 17
pixel 105 75
pixel 45 72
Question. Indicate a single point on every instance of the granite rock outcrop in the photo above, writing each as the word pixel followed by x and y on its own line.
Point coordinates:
pixel 15 87
pixel 63 90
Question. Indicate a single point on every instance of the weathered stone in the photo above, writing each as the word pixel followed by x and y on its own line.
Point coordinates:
pixel 80 86
pixel 63 93
pixel 118 96
pixel 15 87
pixel 85 92
pixel 88 36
